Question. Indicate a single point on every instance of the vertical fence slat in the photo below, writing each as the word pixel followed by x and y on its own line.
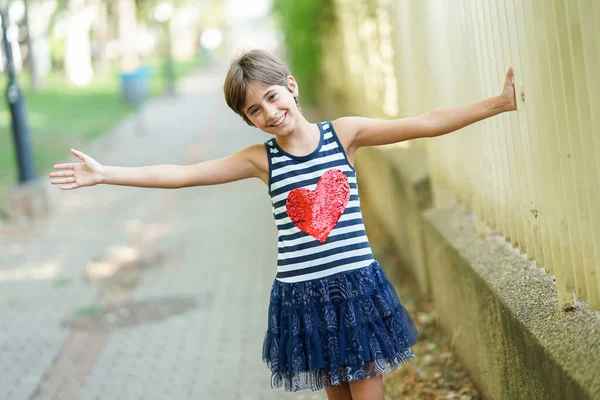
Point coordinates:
pixel 525 135
pixel 492 200
pixel 466 63
pixel 588 14
pixel 463 32
pixel 563 168
pixel 546 99
pixel 508 153
pixel 488 127
pixel 582 153
pixel 494 165
pixel 467 33
pixel 568 124
pixel 529 101
pixel 518 152
pixel 509 206
pixel 530 206
pixel 466 92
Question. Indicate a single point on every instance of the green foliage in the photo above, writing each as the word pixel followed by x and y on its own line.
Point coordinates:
pixel 145 7
pixel 61 116
pixel 57 51
pixel 305 23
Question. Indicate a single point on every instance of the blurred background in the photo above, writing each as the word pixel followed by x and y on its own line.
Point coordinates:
pixel 83 65
pixel 499 221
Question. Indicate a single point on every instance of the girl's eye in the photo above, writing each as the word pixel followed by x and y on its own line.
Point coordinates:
pixel 272 97
pixel 254 111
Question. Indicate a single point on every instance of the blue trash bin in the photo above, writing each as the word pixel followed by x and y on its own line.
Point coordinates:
pixel 135 86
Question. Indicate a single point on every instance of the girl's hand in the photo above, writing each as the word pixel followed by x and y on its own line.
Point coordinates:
pixel 508 93
pixel 88 173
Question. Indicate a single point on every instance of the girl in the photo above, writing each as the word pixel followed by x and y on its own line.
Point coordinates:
pixel 334 320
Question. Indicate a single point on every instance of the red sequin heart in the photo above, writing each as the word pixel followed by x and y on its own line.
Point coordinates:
pixel 317 212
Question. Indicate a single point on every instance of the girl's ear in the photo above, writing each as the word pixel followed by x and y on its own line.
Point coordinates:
pixel 293 86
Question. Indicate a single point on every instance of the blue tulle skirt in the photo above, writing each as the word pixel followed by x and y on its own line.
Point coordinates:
pixel 337 329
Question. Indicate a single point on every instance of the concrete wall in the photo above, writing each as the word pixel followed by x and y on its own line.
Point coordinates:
pixel 399 192
pixel 501 310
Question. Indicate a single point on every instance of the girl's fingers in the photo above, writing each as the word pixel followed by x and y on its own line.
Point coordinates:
pixel 64 166
pixel 59 181
pixel 68 179
pixel 509 76
pixel 79 154
pixel 63 173
pixel 508 92
pixel 69 187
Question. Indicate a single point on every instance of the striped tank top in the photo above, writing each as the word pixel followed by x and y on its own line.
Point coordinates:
pixel 317 211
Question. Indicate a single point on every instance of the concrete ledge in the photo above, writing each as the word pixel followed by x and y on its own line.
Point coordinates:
pixel 501 310
pixel 504 313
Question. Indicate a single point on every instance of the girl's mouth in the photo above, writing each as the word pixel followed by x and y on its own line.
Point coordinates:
pixel 279 122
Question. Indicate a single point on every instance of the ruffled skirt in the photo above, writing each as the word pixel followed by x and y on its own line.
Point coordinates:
pixel 341 328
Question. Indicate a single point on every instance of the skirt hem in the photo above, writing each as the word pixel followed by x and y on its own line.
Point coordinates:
pixel 321 379
pixel 337 329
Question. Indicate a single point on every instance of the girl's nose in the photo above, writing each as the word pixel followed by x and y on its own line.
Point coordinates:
pixel 270 112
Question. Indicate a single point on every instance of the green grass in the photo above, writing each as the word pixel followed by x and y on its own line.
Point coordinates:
pixel 62 116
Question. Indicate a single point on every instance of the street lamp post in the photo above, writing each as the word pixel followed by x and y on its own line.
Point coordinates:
pixel 17 108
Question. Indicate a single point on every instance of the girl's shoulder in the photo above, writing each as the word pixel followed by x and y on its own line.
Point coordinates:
pixel 346 128
pixel 256 154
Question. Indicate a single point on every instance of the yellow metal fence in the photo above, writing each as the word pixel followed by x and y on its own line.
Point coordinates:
pixel 532 175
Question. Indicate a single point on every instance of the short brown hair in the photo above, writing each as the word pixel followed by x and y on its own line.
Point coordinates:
pixel 256 66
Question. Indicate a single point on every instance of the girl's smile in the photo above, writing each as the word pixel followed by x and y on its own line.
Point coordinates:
pixel 273 107
pixel 280 121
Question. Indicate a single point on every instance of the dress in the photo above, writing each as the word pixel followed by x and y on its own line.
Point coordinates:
pixel 333 315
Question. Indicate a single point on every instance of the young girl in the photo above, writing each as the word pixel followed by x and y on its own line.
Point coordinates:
pixel 334 320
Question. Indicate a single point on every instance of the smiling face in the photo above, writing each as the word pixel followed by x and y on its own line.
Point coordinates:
pixel 272 108
pixel 259 88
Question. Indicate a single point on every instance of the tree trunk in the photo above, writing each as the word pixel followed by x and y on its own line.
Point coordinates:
pixel 101 37
pixel 78 49
pixel 32 54
pixel 126 10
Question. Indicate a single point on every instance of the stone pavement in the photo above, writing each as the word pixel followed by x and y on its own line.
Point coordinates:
pixel 134 293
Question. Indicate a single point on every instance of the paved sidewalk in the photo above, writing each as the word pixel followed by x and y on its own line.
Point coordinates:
pixel 133 293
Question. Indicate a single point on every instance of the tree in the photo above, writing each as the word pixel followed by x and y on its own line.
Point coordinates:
pixel 126 11
pixel 78 49
pixel 32 34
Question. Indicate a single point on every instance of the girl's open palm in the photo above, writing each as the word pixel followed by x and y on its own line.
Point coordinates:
pixel 508 91
pixel 76 175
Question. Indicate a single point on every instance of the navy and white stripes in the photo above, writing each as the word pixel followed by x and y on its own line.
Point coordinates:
pixel 301 257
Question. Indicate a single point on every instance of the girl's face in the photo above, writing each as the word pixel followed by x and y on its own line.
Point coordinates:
pixel 272 108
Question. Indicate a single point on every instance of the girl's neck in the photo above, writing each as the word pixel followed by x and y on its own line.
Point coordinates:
pixel 302 140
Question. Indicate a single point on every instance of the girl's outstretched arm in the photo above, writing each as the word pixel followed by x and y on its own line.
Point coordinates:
pixel 250 162
pixel 359 132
